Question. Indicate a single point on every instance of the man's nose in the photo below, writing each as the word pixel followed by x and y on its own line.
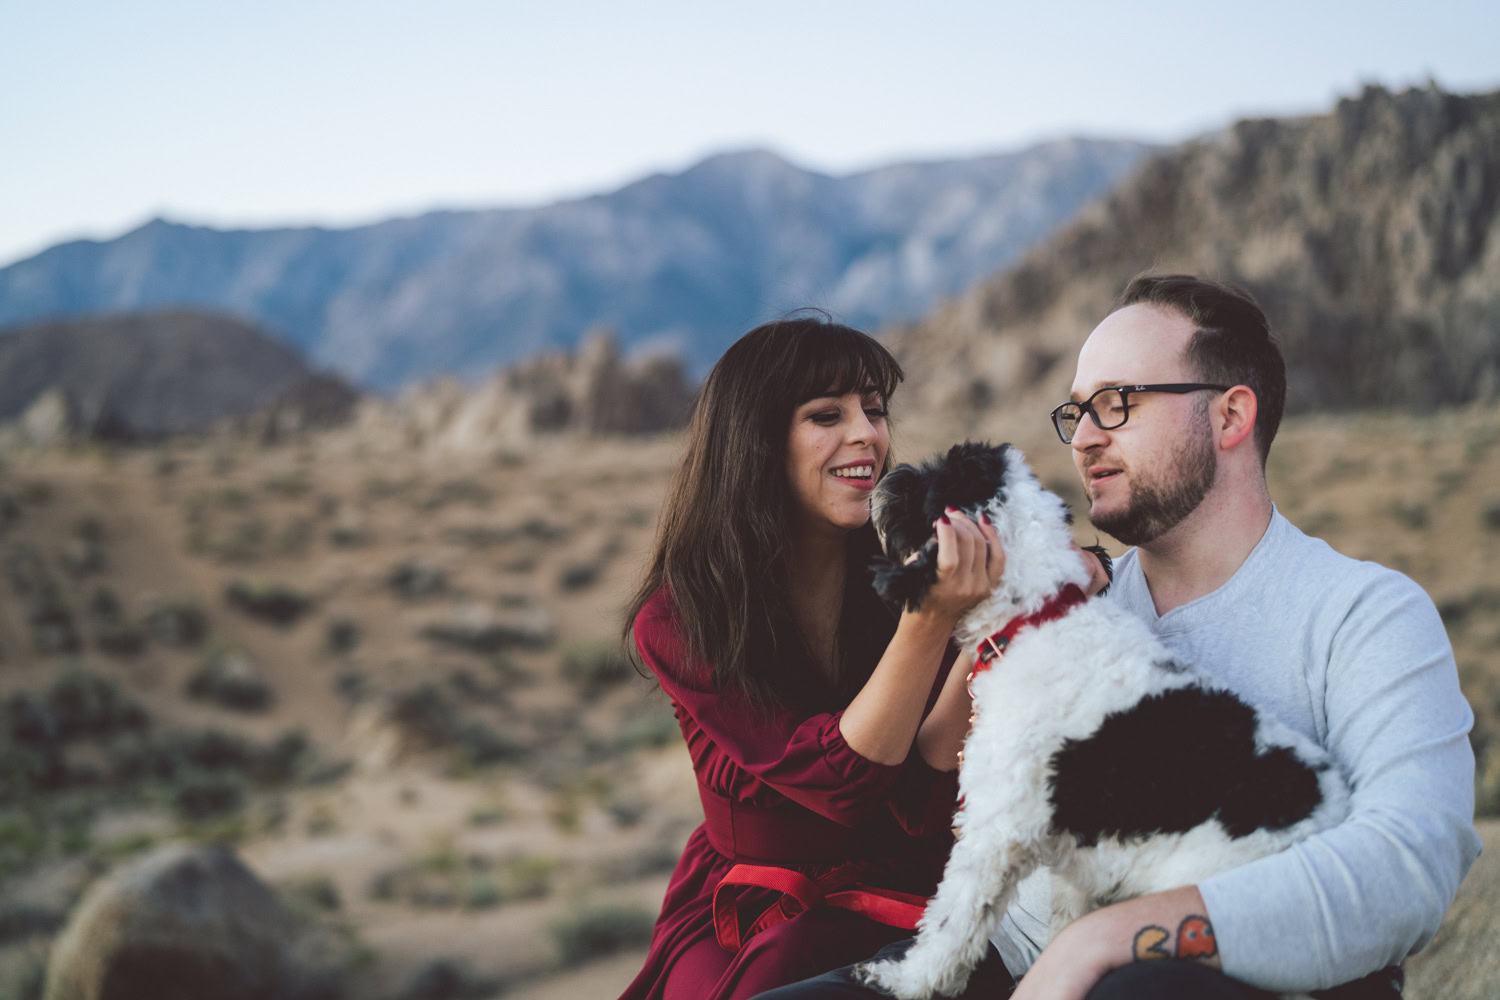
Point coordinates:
pixel 1087 434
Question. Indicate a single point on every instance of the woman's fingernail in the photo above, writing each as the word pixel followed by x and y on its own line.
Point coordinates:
pixel 983 517
pixel 944 519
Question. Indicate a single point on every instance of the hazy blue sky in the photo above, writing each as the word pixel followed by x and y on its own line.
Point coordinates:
pixel 337 111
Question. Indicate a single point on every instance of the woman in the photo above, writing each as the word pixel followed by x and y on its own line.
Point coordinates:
pixel 820 723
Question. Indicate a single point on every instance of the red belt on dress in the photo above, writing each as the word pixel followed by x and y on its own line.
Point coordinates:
pixel 838 888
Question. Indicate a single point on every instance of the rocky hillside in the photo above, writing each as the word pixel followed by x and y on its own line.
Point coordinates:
pixel 691 258
pixel 591 391
pixel 1371 234
pixel 151 375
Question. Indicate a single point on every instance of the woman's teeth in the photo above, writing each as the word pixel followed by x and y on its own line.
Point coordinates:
pixel 855 472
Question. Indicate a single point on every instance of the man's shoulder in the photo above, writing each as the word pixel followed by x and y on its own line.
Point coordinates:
pixel 1312 562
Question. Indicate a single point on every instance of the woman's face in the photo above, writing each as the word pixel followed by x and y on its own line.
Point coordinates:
pixel 835 448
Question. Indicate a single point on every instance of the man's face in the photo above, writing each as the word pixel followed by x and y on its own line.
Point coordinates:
pixel 1145 477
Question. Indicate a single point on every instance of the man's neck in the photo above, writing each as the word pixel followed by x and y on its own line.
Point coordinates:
pixel 1199 555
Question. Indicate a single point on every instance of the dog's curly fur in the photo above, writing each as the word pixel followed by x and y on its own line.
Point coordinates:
pixel 1077 726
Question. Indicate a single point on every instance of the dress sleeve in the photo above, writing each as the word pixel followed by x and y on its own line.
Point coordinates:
pixel 802 757
pixel 1368 892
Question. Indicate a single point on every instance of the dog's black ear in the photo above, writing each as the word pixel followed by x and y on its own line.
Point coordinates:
pixel 1106 562
pixel 896 508
pixel 905 584
pixel 971 474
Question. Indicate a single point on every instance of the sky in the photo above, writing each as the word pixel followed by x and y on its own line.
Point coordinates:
pixel 338 112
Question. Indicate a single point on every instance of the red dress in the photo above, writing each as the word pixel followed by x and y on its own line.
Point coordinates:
pixel 784 791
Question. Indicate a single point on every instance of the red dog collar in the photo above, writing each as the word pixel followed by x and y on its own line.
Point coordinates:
pixel 1057 605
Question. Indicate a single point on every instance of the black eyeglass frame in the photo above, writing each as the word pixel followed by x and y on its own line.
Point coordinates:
pixel 1086 408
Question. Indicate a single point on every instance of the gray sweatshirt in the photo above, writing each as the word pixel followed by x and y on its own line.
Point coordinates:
pixel 1353 655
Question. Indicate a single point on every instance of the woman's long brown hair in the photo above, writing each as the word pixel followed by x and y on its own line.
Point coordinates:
pixel 724 527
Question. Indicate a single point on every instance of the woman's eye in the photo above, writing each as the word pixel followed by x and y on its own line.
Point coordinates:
pixel 827 417
pixel 875 413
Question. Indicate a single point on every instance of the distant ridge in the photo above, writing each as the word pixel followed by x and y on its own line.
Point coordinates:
pixel 150 375
pixel 1371 235
pixel 687 260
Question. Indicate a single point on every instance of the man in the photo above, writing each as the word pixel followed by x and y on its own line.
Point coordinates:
pixel 1176 400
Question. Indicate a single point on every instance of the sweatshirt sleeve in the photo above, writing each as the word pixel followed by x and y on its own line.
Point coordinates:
pixel 803 757
pixel 1367 893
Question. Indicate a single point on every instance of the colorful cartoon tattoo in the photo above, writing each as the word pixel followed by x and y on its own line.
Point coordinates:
pixel 1195 939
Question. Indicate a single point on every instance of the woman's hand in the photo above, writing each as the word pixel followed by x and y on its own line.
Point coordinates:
pixel 1098 578
pixel 970 564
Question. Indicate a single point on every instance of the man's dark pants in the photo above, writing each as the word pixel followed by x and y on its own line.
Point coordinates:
pixel 1165 979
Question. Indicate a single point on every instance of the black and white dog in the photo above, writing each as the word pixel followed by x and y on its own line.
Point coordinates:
pixel 1078 727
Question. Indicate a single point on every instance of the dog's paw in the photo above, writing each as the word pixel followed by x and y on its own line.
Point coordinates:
pixel 905 979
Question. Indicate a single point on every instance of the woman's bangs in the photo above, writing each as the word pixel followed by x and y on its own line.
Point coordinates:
pixel 839 360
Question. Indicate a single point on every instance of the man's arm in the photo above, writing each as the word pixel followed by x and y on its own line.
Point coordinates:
pixel 1163 925
pixel 1372 890
pixel 1364 894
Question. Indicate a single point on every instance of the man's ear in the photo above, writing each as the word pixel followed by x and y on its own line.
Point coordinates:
pixel 1234 416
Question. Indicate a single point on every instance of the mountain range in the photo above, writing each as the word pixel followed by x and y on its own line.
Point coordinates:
pixel 683 261
pixel 1370 234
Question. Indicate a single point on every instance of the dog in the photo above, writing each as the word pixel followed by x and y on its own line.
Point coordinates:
pixel 1076 726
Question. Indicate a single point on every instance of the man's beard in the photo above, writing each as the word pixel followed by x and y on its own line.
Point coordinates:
pixel 1157 505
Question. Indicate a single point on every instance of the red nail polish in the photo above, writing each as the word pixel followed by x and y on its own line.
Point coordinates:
pixel 983 517
pixel 944 519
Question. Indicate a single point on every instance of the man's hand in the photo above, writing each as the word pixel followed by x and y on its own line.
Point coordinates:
pixel 1164 925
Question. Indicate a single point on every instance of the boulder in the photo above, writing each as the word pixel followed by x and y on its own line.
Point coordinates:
pixel 188 922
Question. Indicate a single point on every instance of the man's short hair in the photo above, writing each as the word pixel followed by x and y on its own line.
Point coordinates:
pixel 1232 342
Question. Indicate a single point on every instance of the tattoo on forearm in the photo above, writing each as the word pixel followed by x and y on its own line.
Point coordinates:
pixel 1195 939
pixel 1149 941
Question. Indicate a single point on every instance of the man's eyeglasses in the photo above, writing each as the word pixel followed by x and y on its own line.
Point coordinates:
pixel 1110 406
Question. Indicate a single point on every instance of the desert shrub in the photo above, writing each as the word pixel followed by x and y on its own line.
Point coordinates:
pixel 342 635
pixel 595 667
pixel 578 575
pixel 541 530
pixel 381 488
pixel 275 603
pixel 84 704
pixel 35 492
pixel 1487 783
pixel 447 979
pixel 480 745
pixel 23 838
pixel 1455 611
pixel 467 491
pixel 658 859
pixel 477 536
pixel 520 564
pixel 234 498
pixel 1413 516
pixel 178 624
pixel 652 727
pixel 482 893
pixel 291 485
pixel 414 579
pixel 296 536
pixel 228 678
pixel 597 932
pixel 1490 516
pixel 312 894
pixel 208 795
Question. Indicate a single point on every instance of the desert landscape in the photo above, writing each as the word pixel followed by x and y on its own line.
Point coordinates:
pixel 389 676
pixel 351 663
